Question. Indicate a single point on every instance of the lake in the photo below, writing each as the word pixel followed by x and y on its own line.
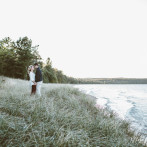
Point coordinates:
pixel 128 101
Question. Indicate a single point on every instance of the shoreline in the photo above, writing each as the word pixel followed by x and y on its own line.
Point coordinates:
pixel 134 129
pixel 62 116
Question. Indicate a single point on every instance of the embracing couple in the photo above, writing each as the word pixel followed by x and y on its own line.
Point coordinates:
pixel 35 79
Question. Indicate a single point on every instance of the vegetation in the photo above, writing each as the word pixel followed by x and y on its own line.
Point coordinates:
pixel 16 56
pixel 63 116
pixel 112 81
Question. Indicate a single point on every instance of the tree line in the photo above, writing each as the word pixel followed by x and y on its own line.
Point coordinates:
pixel 16 56
pixel 112 81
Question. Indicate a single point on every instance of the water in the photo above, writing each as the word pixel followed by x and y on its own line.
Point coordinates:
pixel 128 101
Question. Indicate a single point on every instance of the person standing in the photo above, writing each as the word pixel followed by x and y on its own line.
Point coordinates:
pixel 38 78
pixel 32 79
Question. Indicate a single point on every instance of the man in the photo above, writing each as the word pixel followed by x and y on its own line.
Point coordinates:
pixel 38 78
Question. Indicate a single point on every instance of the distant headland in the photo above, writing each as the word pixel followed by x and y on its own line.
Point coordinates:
pixel 112 80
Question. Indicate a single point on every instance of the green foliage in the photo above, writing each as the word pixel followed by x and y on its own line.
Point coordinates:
pixel 16 56
pixel 49 74
pixel 52 75
pixel 24 56
pixel 7 55
pixel 112 81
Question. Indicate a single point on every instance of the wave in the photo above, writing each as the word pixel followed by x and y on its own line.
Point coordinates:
pixel 128 101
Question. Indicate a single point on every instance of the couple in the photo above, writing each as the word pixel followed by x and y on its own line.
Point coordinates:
pixel 35 79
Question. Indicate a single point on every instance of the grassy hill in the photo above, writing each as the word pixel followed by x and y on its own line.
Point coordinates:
pixel 62 117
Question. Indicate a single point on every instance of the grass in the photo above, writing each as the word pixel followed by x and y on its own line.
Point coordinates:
pixel 62 117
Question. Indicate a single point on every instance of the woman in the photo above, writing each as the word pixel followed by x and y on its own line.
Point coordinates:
pixel 32 79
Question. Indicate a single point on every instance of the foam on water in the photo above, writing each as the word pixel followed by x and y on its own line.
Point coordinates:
pixel 128 101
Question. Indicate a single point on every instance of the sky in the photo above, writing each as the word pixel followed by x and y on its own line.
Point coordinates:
pixel 83 38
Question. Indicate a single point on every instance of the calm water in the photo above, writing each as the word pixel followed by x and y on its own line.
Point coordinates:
pixel 128 101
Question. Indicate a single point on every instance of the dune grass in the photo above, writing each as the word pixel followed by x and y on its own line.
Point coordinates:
pixel 61 117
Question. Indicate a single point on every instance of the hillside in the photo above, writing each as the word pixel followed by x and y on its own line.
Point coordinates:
pixel 63 116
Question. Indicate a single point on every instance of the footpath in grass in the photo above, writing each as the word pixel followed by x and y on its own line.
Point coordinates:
pixel 61 117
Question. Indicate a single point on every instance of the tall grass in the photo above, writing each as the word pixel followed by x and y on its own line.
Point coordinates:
pixel 62 117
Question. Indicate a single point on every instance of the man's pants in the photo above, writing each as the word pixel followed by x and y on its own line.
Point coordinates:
pixel 38 88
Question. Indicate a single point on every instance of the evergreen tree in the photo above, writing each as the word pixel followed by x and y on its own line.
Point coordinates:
pixel 25 56
pixel 16 56
pixel 7 57
pixel 49 74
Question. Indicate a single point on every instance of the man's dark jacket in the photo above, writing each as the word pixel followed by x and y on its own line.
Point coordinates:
pixel 38 75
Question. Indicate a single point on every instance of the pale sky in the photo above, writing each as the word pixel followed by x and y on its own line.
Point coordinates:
pixel 83 38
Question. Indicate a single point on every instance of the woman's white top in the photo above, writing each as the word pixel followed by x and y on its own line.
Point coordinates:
pixel 32 78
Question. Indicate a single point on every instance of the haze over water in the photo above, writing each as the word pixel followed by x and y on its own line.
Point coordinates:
pixel 128 101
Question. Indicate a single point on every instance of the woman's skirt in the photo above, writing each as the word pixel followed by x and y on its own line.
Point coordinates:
pixel 33 89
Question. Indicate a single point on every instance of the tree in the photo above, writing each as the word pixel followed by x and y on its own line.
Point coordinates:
pixel 26 55
pixel 7 57
pixel 49 74
pixel 16 56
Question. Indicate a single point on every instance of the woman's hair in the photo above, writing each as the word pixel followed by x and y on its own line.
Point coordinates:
pixel 29 68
